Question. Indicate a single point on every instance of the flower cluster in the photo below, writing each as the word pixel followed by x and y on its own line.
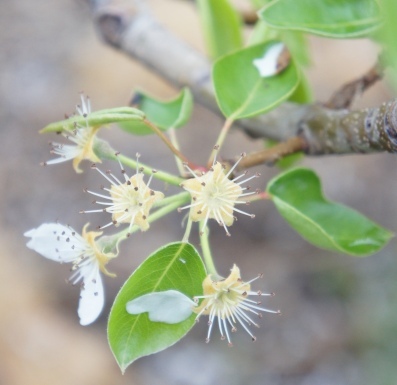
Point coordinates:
pixel 215 194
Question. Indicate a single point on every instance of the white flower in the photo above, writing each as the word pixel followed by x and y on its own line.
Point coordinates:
pixel 83 138
pixel 62 244
pixel 227 300
pixel 214 195
pixel 129 201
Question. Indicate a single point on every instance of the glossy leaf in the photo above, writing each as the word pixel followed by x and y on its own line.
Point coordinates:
pixel 98 118
pixel 337 18
pixel 176 266
pixel 221 26
pixel 298 197
pixel 164 114
pixel 240 90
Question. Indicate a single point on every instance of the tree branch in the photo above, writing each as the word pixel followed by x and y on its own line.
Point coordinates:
pixel 324 131
pixel 344 97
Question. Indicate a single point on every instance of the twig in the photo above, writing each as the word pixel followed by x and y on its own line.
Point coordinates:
pixel 271 155
pixel 344 97
pixel 167 142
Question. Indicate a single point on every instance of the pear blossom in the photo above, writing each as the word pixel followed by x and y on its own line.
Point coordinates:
pixel 83 138
pixel 63 244
pixel 227 300
pixel 129 201
pixel 214 195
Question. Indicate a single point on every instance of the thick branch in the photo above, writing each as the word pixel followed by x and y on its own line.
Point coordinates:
pixel 343 132
pixel 325 131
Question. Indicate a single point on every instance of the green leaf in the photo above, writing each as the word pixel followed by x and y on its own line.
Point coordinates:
pixel 176 266
pixel 336 18
pixel 164 114
pixel 221 25
pixel 298 196
pixel 387 37
pixel 98 118
pixel 303 93
pixel 240 90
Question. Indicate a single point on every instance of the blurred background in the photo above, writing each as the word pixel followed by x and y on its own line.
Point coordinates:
pixel 339 313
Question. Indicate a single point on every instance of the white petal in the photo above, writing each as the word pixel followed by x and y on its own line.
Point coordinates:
pixel 66 152
pixel 169 306
pixel 55 241
pixel 92 297
pixel 267 65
